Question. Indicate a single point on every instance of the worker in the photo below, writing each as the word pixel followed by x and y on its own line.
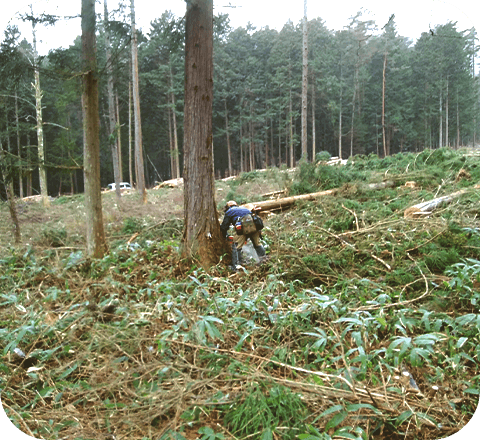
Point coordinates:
pixel 233 216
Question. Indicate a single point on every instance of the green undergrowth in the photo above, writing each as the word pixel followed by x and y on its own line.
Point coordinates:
pixel 363 324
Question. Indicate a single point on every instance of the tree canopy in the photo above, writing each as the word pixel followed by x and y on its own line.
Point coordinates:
pixel 430 97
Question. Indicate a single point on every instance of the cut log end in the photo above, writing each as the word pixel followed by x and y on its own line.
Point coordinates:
pixel 414 212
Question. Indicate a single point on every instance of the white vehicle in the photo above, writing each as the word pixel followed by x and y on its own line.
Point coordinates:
pixel 123 185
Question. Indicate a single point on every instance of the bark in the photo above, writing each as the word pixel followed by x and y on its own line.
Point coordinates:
pixel 279 141
pixel 458 126
pixel 314 132
pixel 385 153
pixel 304 82
pixel 29 168
pixel 119 138
pixel 242 167
pixel 272 155
pixel 251 151
pixel 96 244
pixel 340 117
pixel 111 107
pixel 176 155
pixel 19 149
pixel 354 100
pixel 130 137
pixel 229 148
pixel 440 140
pixel 39 116
pixel 201 235
pixel 170 139
pixel 446 117
pixel 139 163
pixel 290 124
pixel 8 182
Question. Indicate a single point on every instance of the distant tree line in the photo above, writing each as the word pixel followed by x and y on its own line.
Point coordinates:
pixel 369 91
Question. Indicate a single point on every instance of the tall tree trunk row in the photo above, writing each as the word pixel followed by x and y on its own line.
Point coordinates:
pixel 95 234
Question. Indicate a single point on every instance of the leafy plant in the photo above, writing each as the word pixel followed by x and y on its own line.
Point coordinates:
pixel 262 412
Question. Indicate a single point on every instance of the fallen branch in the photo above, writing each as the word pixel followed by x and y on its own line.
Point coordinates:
pixel 354 214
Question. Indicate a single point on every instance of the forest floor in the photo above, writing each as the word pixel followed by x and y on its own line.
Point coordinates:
pixel 363 324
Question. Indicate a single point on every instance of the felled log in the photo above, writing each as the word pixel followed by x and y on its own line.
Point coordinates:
pixel 426 208
pixel 173 183
pixel 286 202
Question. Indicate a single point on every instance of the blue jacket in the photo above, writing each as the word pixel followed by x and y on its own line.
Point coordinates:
pixel 232 216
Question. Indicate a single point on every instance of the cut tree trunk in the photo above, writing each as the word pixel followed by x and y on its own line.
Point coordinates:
pixel 287 202
pixel 426 208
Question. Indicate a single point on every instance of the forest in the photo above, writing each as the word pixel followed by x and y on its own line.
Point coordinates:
pixel 124 316
pixel 370 90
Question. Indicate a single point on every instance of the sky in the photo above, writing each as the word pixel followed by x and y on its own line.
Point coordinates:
pixel 411 16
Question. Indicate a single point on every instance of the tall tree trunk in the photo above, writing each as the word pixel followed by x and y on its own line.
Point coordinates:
pixel 279 140
pixel 290 123
pixel 8 182
pixel 446 116
pixel 130 136
pixel 176 153
pixel 229 149
pixel 140 168
pixel 440 139
pixel 458 124
pixel 314 132
pixel 340 117
pixel 19 149
pixel 111 105
pixel 201 236
pixel 385 154
pixel 170 138
pixel 96 244
pixel 272 155
pixel 39 116
pixel 251 151
pixel 119 138
pixel 354 100
pixel 242 168
pixel 29 167
pixel 304 82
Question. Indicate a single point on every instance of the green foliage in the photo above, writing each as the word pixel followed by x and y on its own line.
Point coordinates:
pixel 463 277
pixel 263 410
pixel 353 296
pixel 54 237
pixel 132 225
pixel 322 156
pixel 316 177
